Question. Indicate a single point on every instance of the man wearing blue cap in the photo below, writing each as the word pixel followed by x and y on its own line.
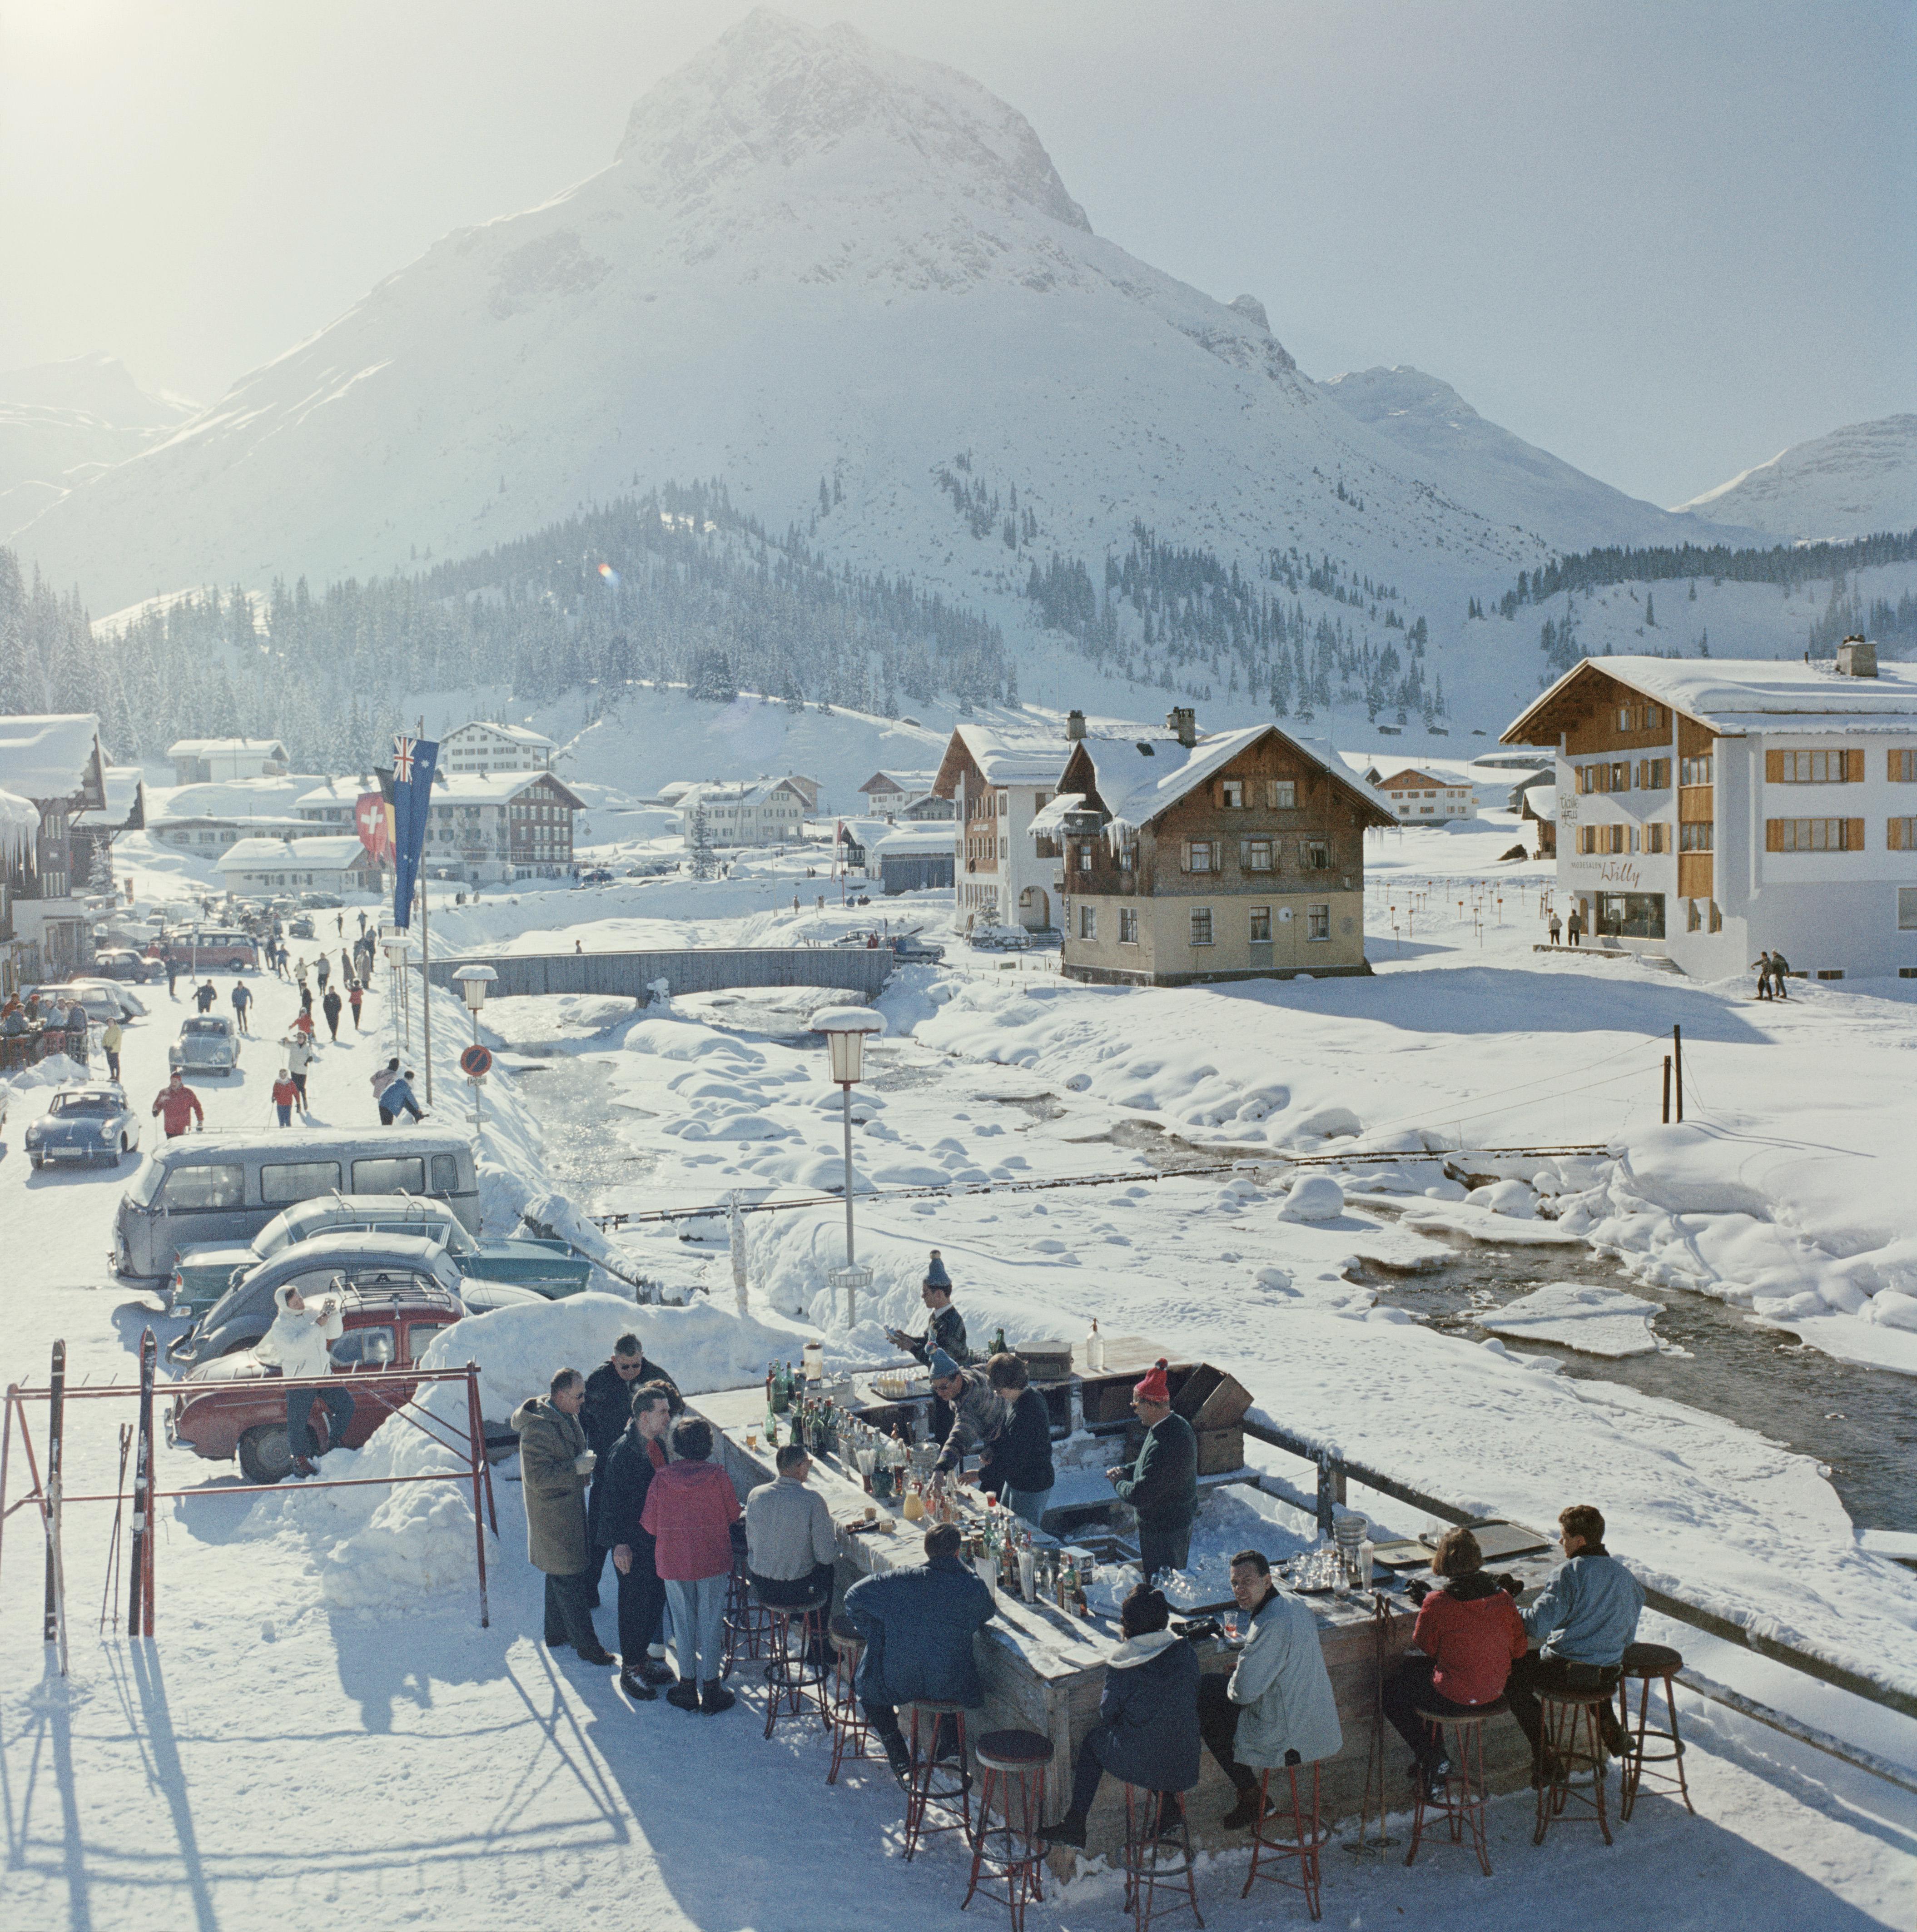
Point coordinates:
pixel 966 1412
pixel 945 1330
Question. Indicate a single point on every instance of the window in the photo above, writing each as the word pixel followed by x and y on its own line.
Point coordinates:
pixel 1200 856
pixel 1813 835
pixel 1318 922
pixel 1906 908
pixel 1657 837
pixel 1654 774
pixel 1128 926
pixel 1694 771
pixel 1128 857
pixel 1085 856
pixel 1620 777
pixel 419 1337
pixel 1631 915
pixel 1654 718
pixel 445 1174
pixel 1902 835
pixel 364 1347
pixel 1814 767
pixel 404 1174
pixel 298 1180
pixel 1200 925
pixel 216 1185
pixel 1232 793
pixel 1258 855
pixel 1087 922
pixel 1902 767
pixel 1317 855
pixel 1625 716
pixel 1694 837
pixel 1283 794
pixel 1260 925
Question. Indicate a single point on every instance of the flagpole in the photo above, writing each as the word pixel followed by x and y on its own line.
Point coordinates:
pixel 426 982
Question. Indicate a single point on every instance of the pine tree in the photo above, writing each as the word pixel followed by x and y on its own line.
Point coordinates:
pixel 705 861
pixel 1650 611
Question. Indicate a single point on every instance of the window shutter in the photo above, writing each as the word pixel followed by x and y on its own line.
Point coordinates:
pixel 1773 827
pixel 1894 834
pixel 1773 771
pixel 1218 794
pixel 1853 840
pixel 1853 766
pixel 1244 855
pixel 1184 855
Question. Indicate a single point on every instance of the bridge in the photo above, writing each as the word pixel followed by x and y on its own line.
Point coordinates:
pixel 855 970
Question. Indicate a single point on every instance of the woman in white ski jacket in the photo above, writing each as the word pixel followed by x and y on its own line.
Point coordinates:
pixel 299 1344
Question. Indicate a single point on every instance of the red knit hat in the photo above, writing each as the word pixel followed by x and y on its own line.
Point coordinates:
pixel 1152 1386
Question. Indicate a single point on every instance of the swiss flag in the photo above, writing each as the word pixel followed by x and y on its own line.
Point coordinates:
pixel 373 819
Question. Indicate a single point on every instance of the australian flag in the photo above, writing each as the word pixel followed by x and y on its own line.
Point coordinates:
pixel 415 760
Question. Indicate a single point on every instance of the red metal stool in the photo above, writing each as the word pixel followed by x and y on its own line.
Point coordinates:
pixel 1572 1741
pixel 1466 1803
pixel 1644 1664
pixel 747 1624
pixel 1156 1854
pixel 851 1735
pixel 925 1793
pixel 796 1677
pixel 1306 1844
pixel 1011 1851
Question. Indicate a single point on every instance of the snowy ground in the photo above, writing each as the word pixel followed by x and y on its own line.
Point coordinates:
pixel 451 1776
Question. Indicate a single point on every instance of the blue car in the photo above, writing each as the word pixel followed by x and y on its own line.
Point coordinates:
pixel 90 1124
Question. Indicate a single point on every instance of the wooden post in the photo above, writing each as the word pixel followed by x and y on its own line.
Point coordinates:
pixel 1677 1065
pixel 1667 1090
pixel 1326 1492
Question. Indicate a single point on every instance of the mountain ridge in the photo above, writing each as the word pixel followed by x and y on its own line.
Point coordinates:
pixel 1855 481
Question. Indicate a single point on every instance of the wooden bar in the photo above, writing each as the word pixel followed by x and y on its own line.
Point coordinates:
pixel 1044 1671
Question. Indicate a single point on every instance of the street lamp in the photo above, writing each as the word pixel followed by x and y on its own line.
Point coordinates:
pixel 398 950
pixel 845 1028
pixel 472 982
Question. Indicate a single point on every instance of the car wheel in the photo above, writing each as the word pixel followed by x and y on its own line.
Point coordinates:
pixel 125 1149
pixel 36 1160
pixel 265 1456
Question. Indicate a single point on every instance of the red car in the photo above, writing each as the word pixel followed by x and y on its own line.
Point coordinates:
pixel 232 1405
pixel 207 950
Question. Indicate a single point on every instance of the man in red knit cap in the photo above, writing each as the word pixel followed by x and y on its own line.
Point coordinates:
pixel 1162 1485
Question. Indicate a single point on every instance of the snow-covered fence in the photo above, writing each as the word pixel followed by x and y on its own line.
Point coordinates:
pixel 852 969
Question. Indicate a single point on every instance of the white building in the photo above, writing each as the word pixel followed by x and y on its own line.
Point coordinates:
pixel 324 863
pixel 998 785
pixel 481 748
pixel 333 802
pixel 767 811
pixel 1412 795
pixel 209 761
pixel 1710 808
pixel 506 826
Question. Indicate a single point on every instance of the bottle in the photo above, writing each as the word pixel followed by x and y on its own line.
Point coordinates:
pixel 998 1341
pixel 813 1358
pixel 1094 1348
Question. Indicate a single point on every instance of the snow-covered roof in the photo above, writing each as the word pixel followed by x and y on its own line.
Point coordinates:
pixel 47 756
pixel 333 792
pixel 200 747
pixel 520 734
pixel 727 791
pixel 1006 761
pixel 19 822
pixel 919 782
pixel 1541 801
pixel 328 852
pixel 1050 818
pixel 1410 779
pixel 913 839
pixel 1736 696
pixel 496 787
pixel 122 789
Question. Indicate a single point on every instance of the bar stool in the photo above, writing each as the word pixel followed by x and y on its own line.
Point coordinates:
pixel 1466 1805
pixel 748 1625
pixel 851 1735
pixel 925 1793
pixel 1306 1844
pixel 1011 1851
pixel 1572 1742
pixel 1155 1855
pixel 1643 1664
pixel 795 1679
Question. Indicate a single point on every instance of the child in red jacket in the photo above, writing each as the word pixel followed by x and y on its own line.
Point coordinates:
pixel 1468 1633
pixel 691 1507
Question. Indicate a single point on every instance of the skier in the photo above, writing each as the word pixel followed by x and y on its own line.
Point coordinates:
pixel 303 1025
pixel 297 1344
pixel 204 998
pixel 342 925
pixel 1762 966
pixel 300 1052
pixel 330 1006
pixel 177 1104
pixel 355 994
pixel 323 969
pixel 287 1097
pixel 242 999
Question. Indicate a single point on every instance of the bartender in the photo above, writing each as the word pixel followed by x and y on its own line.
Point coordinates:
pixel 945 1327
pixel 1162 1484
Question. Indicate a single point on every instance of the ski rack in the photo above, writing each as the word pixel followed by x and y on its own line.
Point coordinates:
pixel 48 1494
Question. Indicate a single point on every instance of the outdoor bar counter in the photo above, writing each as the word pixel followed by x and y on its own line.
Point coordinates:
pixel 1044 1669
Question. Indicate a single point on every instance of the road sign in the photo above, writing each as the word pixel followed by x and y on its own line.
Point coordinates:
pixel 475 1062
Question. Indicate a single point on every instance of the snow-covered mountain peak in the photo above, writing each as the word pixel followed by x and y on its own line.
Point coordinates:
pixel 1854 482
pixel 1374 395
pixel 772 94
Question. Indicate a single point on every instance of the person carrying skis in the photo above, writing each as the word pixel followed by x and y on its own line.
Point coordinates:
pixel 177 1105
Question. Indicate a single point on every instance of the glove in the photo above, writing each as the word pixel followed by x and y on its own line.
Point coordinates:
pixel 584 1465
pixel 1417 1589
pixel 1512 1586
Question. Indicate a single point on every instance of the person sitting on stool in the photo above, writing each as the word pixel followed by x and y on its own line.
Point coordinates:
pixel 1581 1625
pixel 1468 1634
pixel 791 1548
pixel 1162 1484
pixel 1147 1732
pixel 1277 1707
pixel 918 1624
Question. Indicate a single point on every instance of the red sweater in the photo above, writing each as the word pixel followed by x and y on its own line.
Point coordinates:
pixel 177 1106
pixel 1472 1641
pixel 690 1509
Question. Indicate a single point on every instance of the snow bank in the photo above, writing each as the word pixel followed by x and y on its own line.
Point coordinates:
pixel 1314 1197
pixel 1592 1319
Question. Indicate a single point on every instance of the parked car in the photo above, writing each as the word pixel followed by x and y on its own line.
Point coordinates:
pixel 550 1268
pixel 1002 939
pixel 233 1407
pixel 89 1122
pixel 130 1005
pixel 598 876
pixel 321 901
pixel 124 963
pixel 912 950
pixel 226 1187
pixel 209 1043
pixel 370 1263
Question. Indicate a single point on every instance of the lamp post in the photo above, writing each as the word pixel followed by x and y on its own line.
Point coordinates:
pixel 472 982
pixel 845 1029
pixel 396 950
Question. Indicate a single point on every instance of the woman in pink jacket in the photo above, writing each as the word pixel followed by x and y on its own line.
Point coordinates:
pixel 690 1509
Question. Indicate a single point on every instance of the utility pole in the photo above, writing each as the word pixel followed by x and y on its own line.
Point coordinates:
pixel 426 984
pixel 1677 1062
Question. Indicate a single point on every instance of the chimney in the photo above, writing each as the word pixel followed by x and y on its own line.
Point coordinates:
pixel 1075 727
pixel 1182 721
pixel 1857 657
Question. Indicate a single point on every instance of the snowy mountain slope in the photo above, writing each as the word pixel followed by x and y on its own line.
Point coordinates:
pixel 812 259
pixel 1854 482
pixel 1508 479
pixel 62 423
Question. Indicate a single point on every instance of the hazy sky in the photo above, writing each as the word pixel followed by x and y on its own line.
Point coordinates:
pixel 1662 240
